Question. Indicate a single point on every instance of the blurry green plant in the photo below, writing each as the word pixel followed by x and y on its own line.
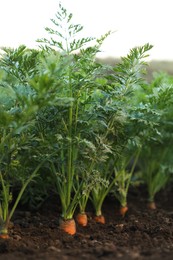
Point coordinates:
pixel 156 139
pixel 19 160
pixel 16 153
pixel 154 173
pixel 19 65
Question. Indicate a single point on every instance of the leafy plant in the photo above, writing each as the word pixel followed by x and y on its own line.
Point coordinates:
pixel 15 172
pixel 124 170
pixel 118 106
pixel 155 173
pixel 17 142
pixel 73 70
pixel 156 140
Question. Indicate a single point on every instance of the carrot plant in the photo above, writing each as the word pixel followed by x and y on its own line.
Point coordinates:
pixel 110 130
pixel 117 124
pixel 90 178
pixel 62 109
pixel 155 161
pixel 14 169
pixel 18 65
pixel 102 173
pixel 73 68
pixel 19 161
pixel 154 174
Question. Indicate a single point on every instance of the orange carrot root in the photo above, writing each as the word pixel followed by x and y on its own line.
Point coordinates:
pixel 68 226
pixel 123 210
pixel 82 219
pixel 4 236
pixel 151 205
pixel 100 219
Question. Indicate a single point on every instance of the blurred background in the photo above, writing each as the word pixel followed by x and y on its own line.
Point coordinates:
pixel 133 23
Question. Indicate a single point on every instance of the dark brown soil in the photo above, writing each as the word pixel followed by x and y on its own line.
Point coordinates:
pixel 142 234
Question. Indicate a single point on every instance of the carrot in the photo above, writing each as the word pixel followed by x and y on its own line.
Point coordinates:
pixel 4 236
pixel 100 219
pixel 151 205
pixel 123 210
pixel 82 219
pixel 68 226
pixel 4 233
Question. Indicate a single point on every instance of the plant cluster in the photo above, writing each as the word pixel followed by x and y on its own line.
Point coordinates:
pixel 80 128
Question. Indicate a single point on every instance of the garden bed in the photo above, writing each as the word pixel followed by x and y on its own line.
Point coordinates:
pixel 142 234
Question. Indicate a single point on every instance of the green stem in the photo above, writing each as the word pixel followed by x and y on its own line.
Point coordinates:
pixel 69 166
pixel 62 161
pixel 132 170
pixel 5 197
pixel 3 230
pixel 76 116
pixel 70 146
pixel 20 194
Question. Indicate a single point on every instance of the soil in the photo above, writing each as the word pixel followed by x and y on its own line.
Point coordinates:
pixel 141 234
